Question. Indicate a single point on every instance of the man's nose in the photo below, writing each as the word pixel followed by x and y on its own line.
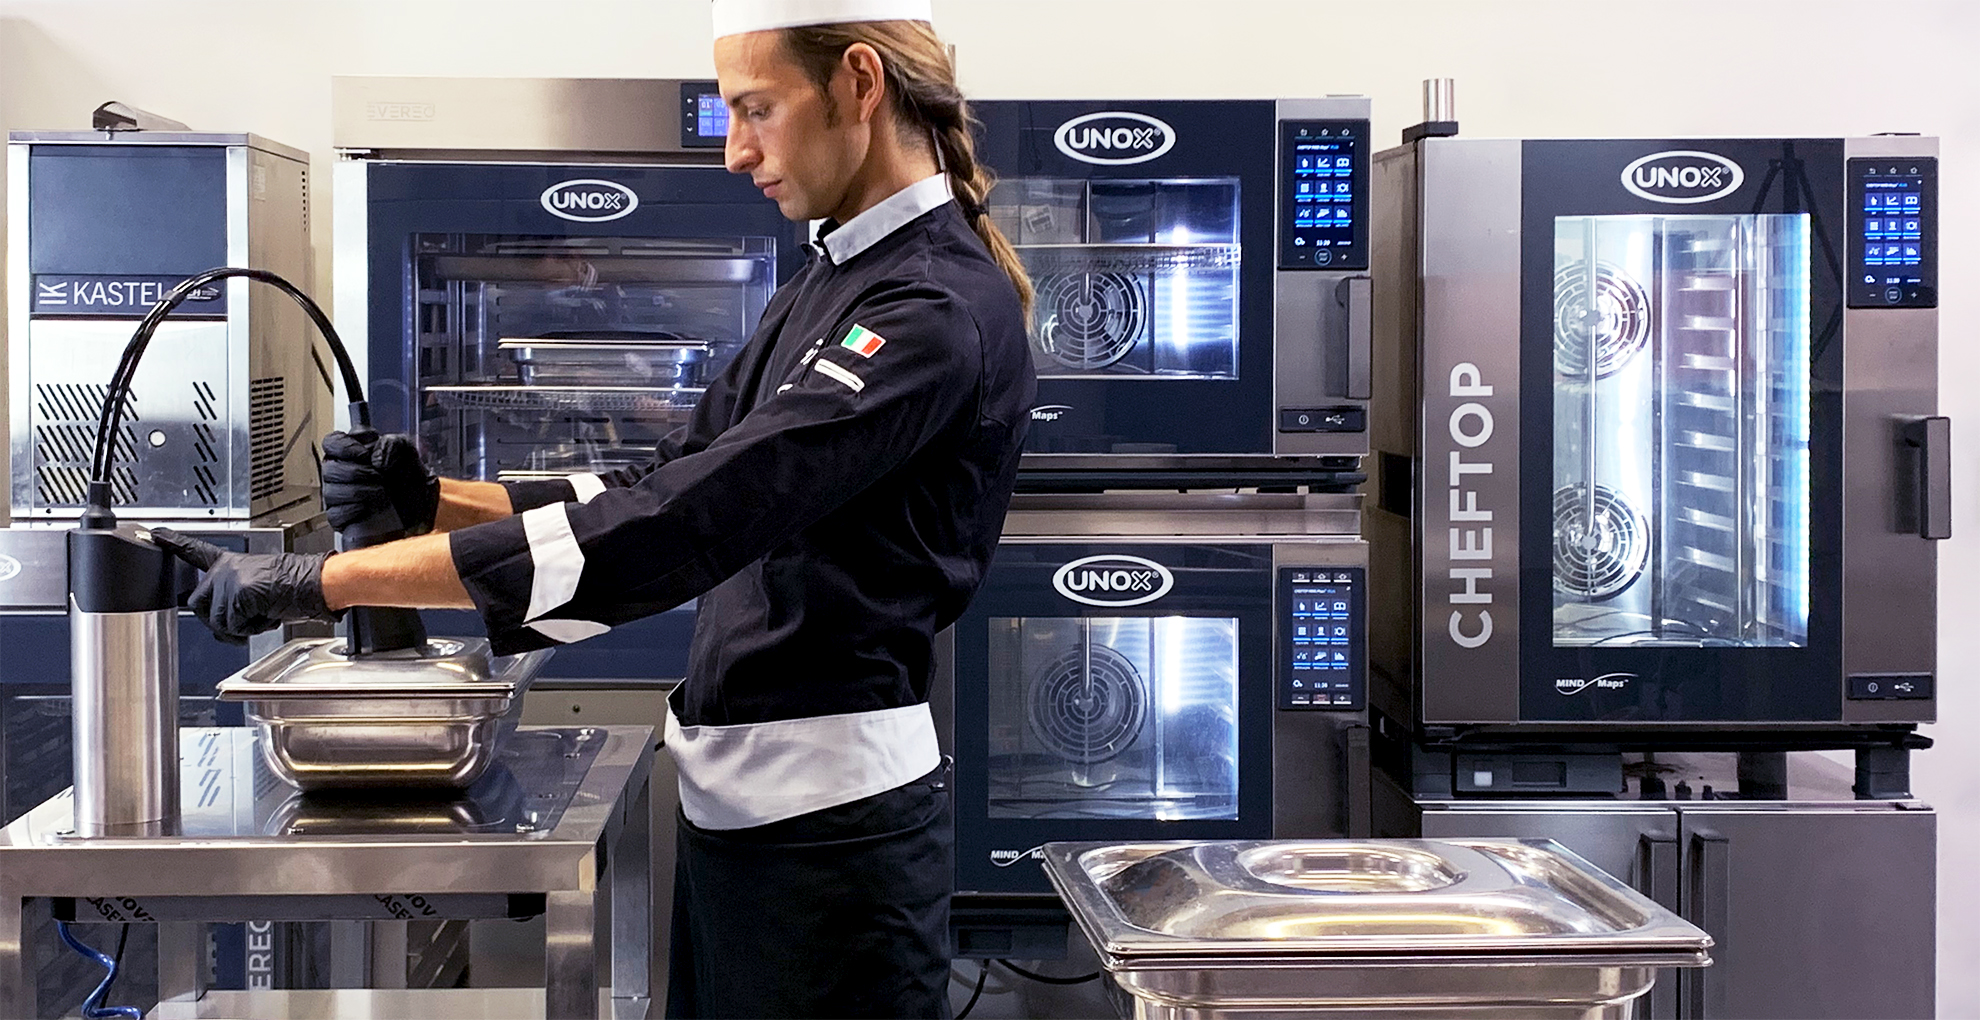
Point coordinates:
pixel 739 152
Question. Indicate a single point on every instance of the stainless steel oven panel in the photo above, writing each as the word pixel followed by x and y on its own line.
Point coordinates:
pixel 1320 768
pixel 1154 516
pixel 1320 338
pixel 1889 573
pixel 1394 589
pixel 1468 496
pixel 582 118
pixel 1321 322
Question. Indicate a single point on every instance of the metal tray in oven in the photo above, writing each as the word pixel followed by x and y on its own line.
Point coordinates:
pixel 647 401
pixel 329 721
pixel 1458 928
pixel 656 359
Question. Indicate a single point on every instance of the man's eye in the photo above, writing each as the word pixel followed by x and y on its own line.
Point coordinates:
pixel 757 113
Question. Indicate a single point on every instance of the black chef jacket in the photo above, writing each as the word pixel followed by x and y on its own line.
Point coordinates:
pixel 834 500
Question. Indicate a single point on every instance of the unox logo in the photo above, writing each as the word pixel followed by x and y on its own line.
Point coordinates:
pixel 1682 177
pixel 1113 580
pixel 589 201
pixel 1114 138
pixel 9 567
pixel 1608 681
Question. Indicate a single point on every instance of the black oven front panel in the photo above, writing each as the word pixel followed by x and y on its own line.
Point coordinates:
pixel 1322 645
pixel 1118 691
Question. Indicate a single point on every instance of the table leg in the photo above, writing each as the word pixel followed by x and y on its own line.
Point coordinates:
pixel 388 954
pixel 181 960
pixel 17 991
pixel 570 958
pixel 350 954
pixel 632 901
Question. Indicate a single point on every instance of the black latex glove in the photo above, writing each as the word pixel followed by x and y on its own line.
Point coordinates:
pixel 243 594
pixel 364 472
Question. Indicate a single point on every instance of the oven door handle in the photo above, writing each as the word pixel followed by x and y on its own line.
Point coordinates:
pixel 1930 441
pixel 1357 295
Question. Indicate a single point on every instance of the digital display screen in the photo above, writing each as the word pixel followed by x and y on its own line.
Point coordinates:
pixel 704 116
pixel 1323 645
pixel 1894 219
pixel 1323 221
pixel 711 116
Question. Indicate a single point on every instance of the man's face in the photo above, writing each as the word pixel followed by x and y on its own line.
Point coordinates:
pixel 797 145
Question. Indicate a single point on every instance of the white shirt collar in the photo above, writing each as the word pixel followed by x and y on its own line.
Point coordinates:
pixel 892 213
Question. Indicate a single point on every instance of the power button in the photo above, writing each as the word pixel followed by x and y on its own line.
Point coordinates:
pixel 1323 419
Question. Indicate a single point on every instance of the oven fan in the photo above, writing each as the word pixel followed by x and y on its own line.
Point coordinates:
pixel 1090 320
pixel 1597 559
pixel 1623 326
pixel 1088 705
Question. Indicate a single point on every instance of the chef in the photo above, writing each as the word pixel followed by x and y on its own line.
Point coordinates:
pixel 833 501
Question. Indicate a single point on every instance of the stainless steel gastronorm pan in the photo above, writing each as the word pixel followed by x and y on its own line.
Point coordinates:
pixel 328 721
pixel 1271 929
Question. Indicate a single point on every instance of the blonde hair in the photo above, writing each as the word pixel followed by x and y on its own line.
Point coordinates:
pixel 921 82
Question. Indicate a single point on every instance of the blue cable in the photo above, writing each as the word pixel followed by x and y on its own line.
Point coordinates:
pixel 93 1007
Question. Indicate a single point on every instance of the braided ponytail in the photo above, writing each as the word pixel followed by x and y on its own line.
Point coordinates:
pixel 927 103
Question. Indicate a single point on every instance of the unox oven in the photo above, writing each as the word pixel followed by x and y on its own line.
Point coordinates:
pixel 1656 432
pixel 1147 666
pixel 544 274
pixel 1202 277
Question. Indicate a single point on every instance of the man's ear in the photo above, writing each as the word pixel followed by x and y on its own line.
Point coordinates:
pixel 866 76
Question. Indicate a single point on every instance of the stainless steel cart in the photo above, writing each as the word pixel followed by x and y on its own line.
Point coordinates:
pixel 560 827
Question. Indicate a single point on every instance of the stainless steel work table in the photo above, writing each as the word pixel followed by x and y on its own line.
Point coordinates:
pixel 559 825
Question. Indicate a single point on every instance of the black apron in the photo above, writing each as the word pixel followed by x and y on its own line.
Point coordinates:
pixel 837 913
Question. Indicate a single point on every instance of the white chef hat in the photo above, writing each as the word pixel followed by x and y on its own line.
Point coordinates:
pixel 734 17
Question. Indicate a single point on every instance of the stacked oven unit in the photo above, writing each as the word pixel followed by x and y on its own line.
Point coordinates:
pixel 1171 640
pixel 1657 479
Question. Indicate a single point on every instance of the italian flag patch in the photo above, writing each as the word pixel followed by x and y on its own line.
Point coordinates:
pixel 862 341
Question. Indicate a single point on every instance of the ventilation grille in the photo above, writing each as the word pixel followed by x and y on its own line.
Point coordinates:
pixel 1597 556
pixel 65 436
pixel 1088 705
pixel 206 444
pixel 1090 320
pixel 267 418
pixel 1621 319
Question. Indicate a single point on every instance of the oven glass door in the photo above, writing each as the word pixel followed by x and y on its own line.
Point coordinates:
pixel 1687 493
pixel 1148 230
pixel 540 356
pixel 1111 692
pixel 1680 487
pixel 518 333
pixel 1135 279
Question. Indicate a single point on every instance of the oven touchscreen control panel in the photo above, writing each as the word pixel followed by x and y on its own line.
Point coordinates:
pixel 704 116
pixel 1323 201
pixel 1894 236
pixel 1322 653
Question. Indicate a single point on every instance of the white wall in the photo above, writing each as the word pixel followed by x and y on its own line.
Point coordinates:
pixel 1535 68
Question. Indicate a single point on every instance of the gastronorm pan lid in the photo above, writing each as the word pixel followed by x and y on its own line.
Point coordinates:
pixel 1321 901
pixel 447 668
